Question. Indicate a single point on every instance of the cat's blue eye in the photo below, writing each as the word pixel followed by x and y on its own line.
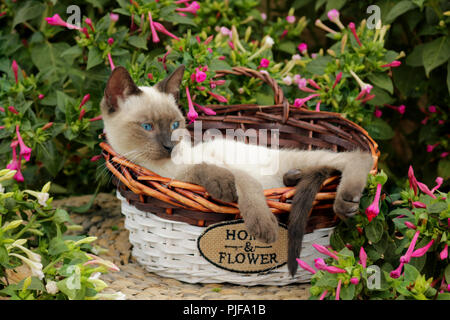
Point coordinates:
pixel 147 126
pixel 175 125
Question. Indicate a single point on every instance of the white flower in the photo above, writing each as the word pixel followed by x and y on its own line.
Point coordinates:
pixel 111 296
pixel 296 57
pixel 2 190
pixel 42 198
pixel 31 255
pixel 287 80
pixel 35 267
pixel 51 287
pixel 95 275
pixel 268 41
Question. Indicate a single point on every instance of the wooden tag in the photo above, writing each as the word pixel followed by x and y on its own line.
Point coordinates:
pixel 229 246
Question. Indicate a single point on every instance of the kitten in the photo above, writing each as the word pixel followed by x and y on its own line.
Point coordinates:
pixel 140 123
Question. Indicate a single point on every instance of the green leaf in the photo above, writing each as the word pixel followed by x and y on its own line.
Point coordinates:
pixel 382 80
pixel 399 9
pixel 447 274
pixel 287 46
pixel 374 231
pixel 176 18
pixel 27 12
pixel 411 273
pixel 437 207
pixel 448 76
pixel 318 65
pixel 61 216
pixel 57 246
pixel 219 65
pixel 414 59
pixel 381 97
pixel 444 169
pixel 436 53
pixel 35 284
pixel 443 296
pixel 94 58
pixel 378 129
pixel 4 259
pixel 138 42
pixel 348 292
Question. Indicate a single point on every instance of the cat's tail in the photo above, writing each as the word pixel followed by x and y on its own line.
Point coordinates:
pixel 307 188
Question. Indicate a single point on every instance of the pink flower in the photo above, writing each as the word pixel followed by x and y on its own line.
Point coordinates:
pixel 199 76
pixel 264 63
pixel 333 16
pixel 57 21
pixel 305 266
pixel 95 118
pixel 99 261
pixel 158 26
pixel 81 115
pixel 441 122
pixel 302 85
pixel 323 295
pixel 325 251
pixel 192 114
pixel 96 158
pixel 290 19
pixel 393 64
pixel 155 38
pixel 218 97
pixel 85 31
pixel 303 48
pixel 41 96
pixel 373 210
pixel 338 79
pixel 363 257
pixel 318 105
pixel 397 272
pixel 432 109
pixel 418 204
pixel 401 109
pixel 420 252
pixel 365 90
pixel 424 120
pixel 439 181
pixel 110 41
pixel 226 32
pixel 352 28
pixel 430 147
pixel 13 110
pixel 444 253
pixel 114 17
pixel 378 113
pixel 15 163
pixel 15 69
pixel 407 257
pixel 412 180
pixel 25 151
pixel 84 100
pixel 231 44
pixel 300 102
pixel 410 225
pixel 208 40
pixel 47 126
pixel 313 83
pixel 192 8
pixel 320 264
pixel 111 63
pixel 206 110
pixel 338 289
pixel 444 154
pixel 263 16
pixel 354 281
pixel 89 23
pixel 424 188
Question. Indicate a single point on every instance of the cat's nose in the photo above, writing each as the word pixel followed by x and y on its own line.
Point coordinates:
pixel 168 148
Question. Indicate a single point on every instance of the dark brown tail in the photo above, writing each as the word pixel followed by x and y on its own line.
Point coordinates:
pixel 306 191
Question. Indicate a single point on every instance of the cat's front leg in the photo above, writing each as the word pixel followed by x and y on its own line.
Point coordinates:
pixel 353 182
pixel 218 182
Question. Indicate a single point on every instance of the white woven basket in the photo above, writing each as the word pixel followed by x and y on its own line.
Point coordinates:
pixel 169 249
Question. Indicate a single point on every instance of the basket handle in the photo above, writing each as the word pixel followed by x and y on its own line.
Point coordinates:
pixel 278 92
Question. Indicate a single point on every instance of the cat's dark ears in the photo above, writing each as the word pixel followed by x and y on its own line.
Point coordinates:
pixel 171 84
pixel 120 85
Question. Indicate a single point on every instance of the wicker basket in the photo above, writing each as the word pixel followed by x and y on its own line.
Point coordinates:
pixel 165 217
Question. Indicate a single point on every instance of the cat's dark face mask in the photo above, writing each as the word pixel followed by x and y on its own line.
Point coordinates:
pixel 139 122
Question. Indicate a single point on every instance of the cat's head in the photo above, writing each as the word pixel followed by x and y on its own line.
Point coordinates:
pixel 139 121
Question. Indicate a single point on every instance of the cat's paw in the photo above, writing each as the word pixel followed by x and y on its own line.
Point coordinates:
pixel 263 225
pixel 221 186
pixel 292 177
pixel 346 204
